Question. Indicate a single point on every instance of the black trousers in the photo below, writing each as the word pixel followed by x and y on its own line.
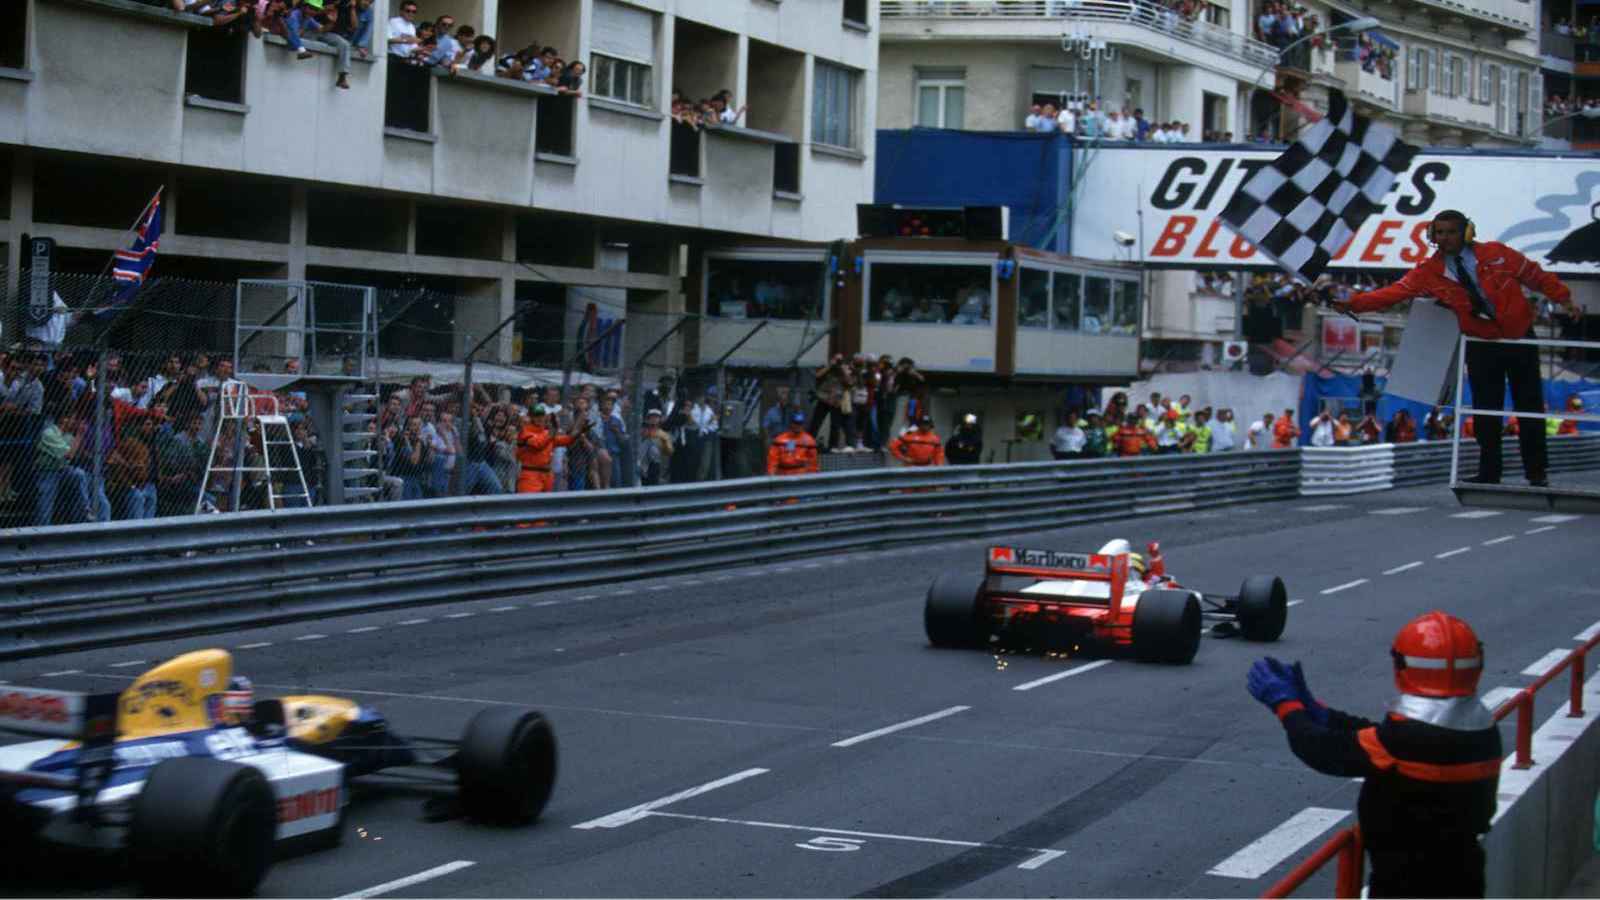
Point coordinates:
pixel 1489 366
pixel 1458 872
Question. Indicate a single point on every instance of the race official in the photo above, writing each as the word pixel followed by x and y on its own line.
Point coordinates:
pixel 1482 282
pixel 1430 768
pixel 920 447
pixel 965 447
pixel 535 447
pixel 794 451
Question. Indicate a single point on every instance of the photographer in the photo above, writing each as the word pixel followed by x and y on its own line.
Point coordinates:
pixel 834 382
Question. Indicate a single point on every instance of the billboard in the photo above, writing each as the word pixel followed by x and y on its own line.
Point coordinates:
pixel 1171 197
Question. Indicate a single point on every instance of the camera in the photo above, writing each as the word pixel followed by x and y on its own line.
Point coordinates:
pixel 1123 238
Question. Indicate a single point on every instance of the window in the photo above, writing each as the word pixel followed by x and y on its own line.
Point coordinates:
pixel 786 168
pixel 833 108
pixel 1066 293
pixel 765 289
pixel 1125 307
pixel 1447 85
pixel 930 293
pixel 855 12
pixel 1436 71
pixel 685 150
pixel 941 98
pixel 1096 305
pixel 620 79
pixel 1033 299
pixel 14 39
pixel 1413 68
pixel 406 98
pixel 553 134
pixel 1458 77
pixel 214 65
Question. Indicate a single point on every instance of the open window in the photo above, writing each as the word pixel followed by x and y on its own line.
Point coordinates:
pixel 786 168
pixel 407 98
pixel 14 38
pixel 685 151
pixel 855 12
pixel 553 134
pixel 214 65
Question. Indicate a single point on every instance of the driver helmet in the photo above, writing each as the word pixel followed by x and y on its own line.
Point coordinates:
pixel 238 701
pixel 1136 563
pixel 1437 655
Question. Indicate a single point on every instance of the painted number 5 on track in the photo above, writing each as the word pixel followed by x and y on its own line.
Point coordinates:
pixel 832 844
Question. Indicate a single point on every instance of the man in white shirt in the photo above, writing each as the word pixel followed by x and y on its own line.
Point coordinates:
pixel 1067 442
pixel 1113 126
pixel 1260 435
pixel 1222 434
pixel 1183 136
pixel 703 420
pixel 1322 431
pixel 1031 123
pixel 1158 134
pixel 1067 122
pixel 403 30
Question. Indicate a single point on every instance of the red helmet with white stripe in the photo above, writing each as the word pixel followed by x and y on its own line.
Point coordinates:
pixel 1437 655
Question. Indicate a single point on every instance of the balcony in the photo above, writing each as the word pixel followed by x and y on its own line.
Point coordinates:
pixel 1455 110
pixel 1517 15
pixel 1369 86
pixel 1138 23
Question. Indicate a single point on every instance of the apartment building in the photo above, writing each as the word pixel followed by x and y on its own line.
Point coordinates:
pixel 488 188
pixel 1569 61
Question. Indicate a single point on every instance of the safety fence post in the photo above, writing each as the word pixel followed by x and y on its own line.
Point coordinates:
pixel 1524 730
pixel 1348 883
pixel 1576 709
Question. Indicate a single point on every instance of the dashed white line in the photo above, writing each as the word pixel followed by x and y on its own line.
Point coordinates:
pixel 635 813
pixel 784 569
pixel 1265 853
pixel 362 630
pixel 546 603
pixel 583 597
pixel 1077 670
pixel 900 726
pixel 1397 511
pixel 1346 586
pixel 502 608
pixel 1540 530
pixel 689 581
pixel 460 615
pixel 409 880
pixel 1322 507
pixel 1555 519
pixel 256 646
pixel 622 593
pixel 812 566
pixel 1587 633
pixel 659 587
pixel 310 637
pixel 131 662
pixel 413 622
pixel 1295 602
pixel 1546 662
pixel 1449 553
pixel 1477 514
pixel 1499 540
pixel 61 673
pixel 1398 569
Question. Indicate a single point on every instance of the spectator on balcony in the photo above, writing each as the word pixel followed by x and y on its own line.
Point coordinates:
pixel 446 46
pixel 480 60
pixel 403 33
pixel 1047 123
pixel 1031 122
pixel 347 27
pixel 1067 121
pixel 1113 126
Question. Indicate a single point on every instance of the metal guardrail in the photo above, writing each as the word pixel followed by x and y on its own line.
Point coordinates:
pixel 75 587
pixel 1346 470
pixel 1144 13
pixel 1429 463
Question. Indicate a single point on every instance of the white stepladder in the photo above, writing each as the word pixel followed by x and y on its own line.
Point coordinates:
pixel 254 411
pixel 1468 493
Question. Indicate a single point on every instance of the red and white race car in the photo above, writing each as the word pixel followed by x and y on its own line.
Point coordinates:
pixel 1115 598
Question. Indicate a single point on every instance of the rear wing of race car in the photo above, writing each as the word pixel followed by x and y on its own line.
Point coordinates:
pixel 1061 565
pixel 90 719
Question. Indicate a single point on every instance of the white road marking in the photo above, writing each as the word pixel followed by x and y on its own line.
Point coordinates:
pixel 1398 569
pixel 502 608
pixel 61 673
pixel 1345 587
pixel 1265 853
pixel 1322 507
pixel 1040 857
pixel 784 569
pixel 1295 602
pixel 1077 670
pixel 1555 519
pixel 901 726
pixel 1587 633
pixel 1477 514
pixel 622 593
pixel 812 566
pixel 409 880
pixel 1546 662
pixel 131 662
pixel 413 622
pixel 689 581
pixel 460 615
pixel 659 587
pixel 1397 511
pixel 256 646
pixel 1449 553
pixel 1493 697
pixel 1540 530
pixel 1499 540
pixel 310 637
pixel 547 603
pixel 635 813
pixel 363 629
pixel 582 597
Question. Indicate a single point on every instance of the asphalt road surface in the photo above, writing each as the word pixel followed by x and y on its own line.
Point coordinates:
pixel 785 730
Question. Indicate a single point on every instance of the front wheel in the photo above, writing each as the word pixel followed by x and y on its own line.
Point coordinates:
pixel 203 827
pixel 1263 608
pixel 507 766
pixel 952 615
pixel 1166 627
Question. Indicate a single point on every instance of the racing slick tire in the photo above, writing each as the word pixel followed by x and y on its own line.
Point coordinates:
pixel 507 766
pixel 1263 608
pixel 950 615
pixel 1166 627
pixel 202 827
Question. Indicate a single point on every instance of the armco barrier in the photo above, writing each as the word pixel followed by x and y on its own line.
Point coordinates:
pixel 75 587
pixel 1346 470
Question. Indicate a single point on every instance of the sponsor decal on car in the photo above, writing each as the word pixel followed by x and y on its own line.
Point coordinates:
pixel 308 804
pixel 34 707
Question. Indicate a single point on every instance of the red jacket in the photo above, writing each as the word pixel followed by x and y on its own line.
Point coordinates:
pixel 1502 273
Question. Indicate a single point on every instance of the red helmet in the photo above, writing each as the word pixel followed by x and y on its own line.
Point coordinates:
pixel 1437 655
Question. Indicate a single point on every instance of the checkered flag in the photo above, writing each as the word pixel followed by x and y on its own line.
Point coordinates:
pixel 1304 206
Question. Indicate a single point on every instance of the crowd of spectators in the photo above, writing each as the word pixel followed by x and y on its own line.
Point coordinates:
pixel 1375 57
pixel 864 403
pixel 1282 23
pixel 709 112
pixel 1578 30
pixel 1555 105
pixel 1087 119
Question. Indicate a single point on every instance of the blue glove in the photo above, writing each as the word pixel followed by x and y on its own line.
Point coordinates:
pixel 1314 709
pixel 1271 683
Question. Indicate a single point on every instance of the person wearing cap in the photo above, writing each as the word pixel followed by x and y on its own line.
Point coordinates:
pixel 1169 432
pixel 535 447
pixel 920 447
pixel 1430 768
pixel 793 451
pixel 965 447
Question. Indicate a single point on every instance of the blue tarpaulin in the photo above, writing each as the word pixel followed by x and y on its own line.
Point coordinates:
pixel 1347 388
pixel 1029 173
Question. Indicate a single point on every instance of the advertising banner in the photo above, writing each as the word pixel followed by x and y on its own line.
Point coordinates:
pixel 1170 197
pixel 1341 335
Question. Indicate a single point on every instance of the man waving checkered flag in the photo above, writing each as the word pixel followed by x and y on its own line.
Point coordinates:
pixel 1303 207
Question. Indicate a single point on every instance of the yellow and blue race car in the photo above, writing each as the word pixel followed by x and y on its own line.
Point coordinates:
pixel 202 784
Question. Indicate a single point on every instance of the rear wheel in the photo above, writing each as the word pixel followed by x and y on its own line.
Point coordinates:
pixel 507 766
pixel 1166 627
pixel 202 827
pixel 951 615
pixel 1263 608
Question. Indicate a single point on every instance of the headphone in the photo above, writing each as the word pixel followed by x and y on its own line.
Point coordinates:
pixel 1467 236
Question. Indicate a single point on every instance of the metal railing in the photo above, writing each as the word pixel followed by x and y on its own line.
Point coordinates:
pixel 1463 411
pixel 1144 13
pixel 1346 844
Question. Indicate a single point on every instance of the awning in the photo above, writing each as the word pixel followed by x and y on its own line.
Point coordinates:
pixel 1384 40
pixel 400 371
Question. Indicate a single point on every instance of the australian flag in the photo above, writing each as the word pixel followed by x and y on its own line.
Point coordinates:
pixel 130 267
